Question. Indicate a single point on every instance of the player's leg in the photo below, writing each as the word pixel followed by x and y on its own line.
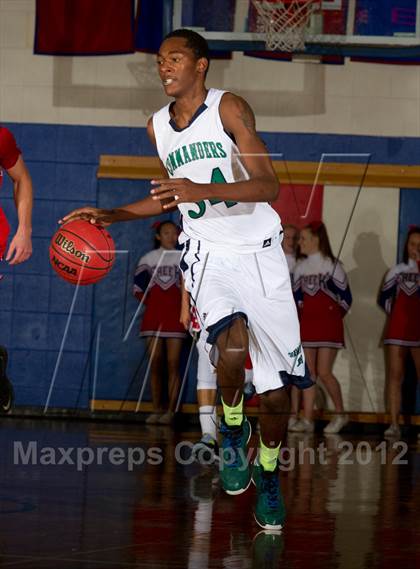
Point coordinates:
pixel 273 416
pixel 278 361
pixel 155 350
pixel 206 449
pixel 232 349
pixel 306 423
pixel 276 355
pixel 325 363
pixel 274 410
pixel 396 356
pixel 173 354
pixel 211 278
pixel 249 389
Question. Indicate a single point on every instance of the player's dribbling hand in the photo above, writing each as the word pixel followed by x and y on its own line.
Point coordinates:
pixel 176 190
pixel 20 248
pixel 92 214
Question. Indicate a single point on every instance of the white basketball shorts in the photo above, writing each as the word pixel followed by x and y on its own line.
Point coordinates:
pixel 256 286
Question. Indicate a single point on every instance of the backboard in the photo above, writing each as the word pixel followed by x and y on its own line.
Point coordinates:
pixel 357 28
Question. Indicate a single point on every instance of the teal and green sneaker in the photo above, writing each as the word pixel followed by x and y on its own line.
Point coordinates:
pixel 235 473
pixel 270 511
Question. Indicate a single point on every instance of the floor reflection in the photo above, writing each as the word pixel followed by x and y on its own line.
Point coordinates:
pixel 351 503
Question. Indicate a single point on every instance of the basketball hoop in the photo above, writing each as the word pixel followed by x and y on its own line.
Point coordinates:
pixel 284 22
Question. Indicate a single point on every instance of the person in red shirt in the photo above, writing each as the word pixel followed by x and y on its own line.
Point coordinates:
pixel 400 298
pixel 11 161
pixel 20 248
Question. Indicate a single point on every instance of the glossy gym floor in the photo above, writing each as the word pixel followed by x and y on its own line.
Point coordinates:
pixel 98 495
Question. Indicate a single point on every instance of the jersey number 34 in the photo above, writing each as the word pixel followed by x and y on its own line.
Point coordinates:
pixel 216 178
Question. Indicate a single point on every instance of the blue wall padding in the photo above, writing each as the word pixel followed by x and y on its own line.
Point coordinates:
pixel 34 302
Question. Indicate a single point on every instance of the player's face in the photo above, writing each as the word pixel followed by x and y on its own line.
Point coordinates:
pixel 308 242
pixel 168 236
pixel 178 67
pixel 413 246
pixel 289 240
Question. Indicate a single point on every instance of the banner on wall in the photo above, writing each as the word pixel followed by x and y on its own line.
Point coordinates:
pixel 299 204
pixel 80 27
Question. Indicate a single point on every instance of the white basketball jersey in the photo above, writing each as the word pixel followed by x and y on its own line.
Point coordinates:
pixel 205 153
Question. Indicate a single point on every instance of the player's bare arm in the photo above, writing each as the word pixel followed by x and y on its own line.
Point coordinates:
pixel 238 119
pixel 20 248
pixel 146 207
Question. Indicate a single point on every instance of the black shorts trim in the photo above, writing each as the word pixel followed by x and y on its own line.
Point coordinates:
pixel 182 264
pixel 215 329
pixel 299 381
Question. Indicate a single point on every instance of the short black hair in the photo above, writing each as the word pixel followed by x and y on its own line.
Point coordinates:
pixel 195 42
pixel 158 228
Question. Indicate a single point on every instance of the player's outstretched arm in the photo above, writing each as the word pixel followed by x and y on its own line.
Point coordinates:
pixel 20 248
pixel 238 120
pixel 146 207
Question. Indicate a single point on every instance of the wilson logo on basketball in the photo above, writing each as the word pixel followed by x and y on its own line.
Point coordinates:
pixel 63 267
pixel 68 246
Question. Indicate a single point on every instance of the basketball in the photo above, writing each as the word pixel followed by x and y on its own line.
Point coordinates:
pixel 81 252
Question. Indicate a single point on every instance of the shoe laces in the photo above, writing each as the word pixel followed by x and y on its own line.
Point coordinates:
pixel 232 442
pixel 270 487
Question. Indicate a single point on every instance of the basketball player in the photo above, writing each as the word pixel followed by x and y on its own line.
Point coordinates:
pixel 220 177
pixel 20 248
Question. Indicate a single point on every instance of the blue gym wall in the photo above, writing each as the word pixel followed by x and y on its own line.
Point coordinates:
pixel 63 161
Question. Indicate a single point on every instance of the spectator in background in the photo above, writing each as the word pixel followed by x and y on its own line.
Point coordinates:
pixel 400 298
pixel 158 275
pixel 290 244
pixel 20 248
pixel 323 297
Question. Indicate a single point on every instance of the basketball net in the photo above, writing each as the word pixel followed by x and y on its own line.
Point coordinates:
pixel 284 23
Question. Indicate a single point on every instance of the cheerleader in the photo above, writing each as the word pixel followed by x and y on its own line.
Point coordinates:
pixel 400 298
pixel 323 297
pixel 157 284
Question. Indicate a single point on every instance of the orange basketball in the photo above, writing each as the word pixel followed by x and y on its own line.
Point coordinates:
pixel 81 252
